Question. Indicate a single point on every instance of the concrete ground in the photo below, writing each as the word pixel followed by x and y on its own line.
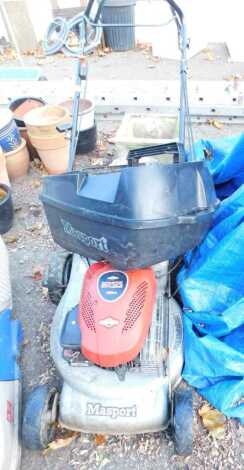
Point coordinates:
pixel 210 64
pixel 30 244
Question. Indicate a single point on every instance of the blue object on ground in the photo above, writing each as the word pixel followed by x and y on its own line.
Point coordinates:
pixel 10 338
pixel 211 285
pixel 20 73
pixel 227 165
pixel 10 138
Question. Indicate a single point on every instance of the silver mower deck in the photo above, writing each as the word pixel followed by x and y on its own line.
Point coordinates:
pixel 96 400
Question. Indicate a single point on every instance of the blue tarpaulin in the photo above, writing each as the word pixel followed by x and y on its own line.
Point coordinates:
pixel 211 285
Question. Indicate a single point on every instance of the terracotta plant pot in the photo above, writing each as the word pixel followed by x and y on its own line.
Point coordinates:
pixel 55 160
pixel 4 179
pixel 53 152
pixel 32 151
pixel 43 122
pixel 18 161
pixel 20 107
pixel 48 143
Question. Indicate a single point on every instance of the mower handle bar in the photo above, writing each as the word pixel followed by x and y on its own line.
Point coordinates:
pixel 93 20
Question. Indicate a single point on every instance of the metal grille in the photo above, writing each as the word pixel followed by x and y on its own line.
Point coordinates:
pixel 135 307
pixel 87 312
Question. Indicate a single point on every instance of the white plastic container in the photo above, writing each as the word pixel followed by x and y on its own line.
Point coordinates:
pixel 144 130
pixel 86 113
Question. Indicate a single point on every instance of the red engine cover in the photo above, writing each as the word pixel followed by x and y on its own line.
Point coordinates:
pixel 115 313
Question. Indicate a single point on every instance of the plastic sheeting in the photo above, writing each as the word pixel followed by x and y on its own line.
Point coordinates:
pixel 211 285
pixel 227 164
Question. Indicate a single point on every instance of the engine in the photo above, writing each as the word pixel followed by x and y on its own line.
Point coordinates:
pixel 115 313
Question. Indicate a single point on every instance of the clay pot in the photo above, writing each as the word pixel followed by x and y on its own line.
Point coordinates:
pixel 17 161
pixel 48 143
pixel 55 160
pixel 43 122
pixel 53 152
pixel 4 179
pixel 20 107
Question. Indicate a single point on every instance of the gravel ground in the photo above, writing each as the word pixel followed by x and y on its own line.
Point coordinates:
pixel 30 245
pixel 210 64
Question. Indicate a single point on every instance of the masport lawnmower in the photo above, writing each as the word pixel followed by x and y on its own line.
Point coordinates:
pixel 117 334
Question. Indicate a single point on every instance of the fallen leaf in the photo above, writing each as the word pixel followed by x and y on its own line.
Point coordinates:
pixel 37 273
pixel 103 463
pixel 34 227
pixel 215 123
pixel 100 439
pixel 36 184
pixel 2 193
pixel 45 292
pixel 11 239
pixel 111 140
pixel 204 409
pixel 60 443
pixel 208 54
pixel 213 421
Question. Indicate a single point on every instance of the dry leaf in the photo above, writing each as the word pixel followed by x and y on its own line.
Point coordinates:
pixel 215 123
pixel 34 227
pixel 111 140
pixel 37 273
pixel 103 463
pixel 100 439
pixel 2 193
pixel 11 239
pixel 45 292
pixel 213 421
pixel 208 54
pixel 60 443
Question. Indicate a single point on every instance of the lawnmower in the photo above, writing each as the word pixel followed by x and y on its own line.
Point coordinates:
pixel 117 334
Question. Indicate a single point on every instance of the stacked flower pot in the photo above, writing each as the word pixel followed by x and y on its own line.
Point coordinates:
pixel 52 146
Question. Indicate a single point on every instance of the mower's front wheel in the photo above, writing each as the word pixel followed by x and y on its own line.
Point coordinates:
pixel 58 275
pixel 40 416
pixel 183 421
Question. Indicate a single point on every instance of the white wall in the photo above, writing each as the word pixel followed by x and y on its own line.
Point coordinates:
pixel 40 13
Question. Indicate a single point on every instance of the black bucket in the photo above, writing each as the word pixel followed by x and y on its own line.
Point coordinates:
pixel 87 141
pixel 6 209
pixel 119 12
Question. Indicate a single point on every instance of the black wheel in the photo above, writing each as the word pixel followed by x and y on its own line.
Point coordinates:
pixel 39 419
pixel 58 275
pixel 183 421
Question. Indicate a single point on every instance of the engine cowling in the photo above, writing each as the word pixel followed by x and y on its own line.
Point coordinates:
pixel 115 313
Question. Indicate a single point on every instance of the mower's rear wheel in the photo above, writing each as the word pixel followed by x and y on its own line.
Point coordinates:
pixel 58 275
pixel 39 419
pixel 183 421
